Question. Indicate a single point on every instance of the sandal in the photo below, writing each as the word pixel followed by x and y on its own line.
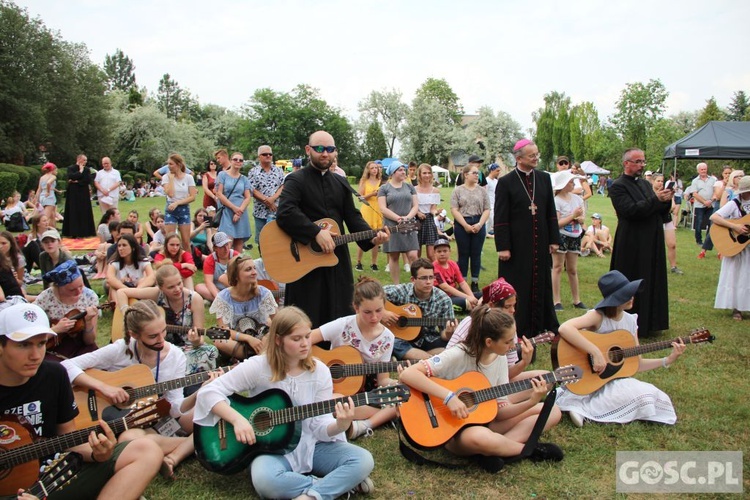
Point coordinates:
pixel 736 315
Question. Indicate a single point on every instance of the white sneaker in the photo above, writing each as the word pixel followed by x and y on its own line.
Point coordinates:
pixel 576 418
pixel 407 268
pixel 365 487
pixel 359 428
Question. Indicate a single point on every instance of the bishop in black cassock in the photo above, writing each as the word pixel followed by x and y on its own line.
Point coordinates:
pixel 526 225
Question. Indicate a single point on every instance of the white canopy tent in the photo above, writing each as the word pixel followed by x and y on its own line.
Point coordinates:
pixel 592 168
pixel 437 171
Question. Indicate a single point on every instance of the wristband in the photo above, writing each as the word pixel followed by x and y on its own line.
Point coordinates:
pixel 664 362
pixel 237 336
pixel 93 458
pixel 448 398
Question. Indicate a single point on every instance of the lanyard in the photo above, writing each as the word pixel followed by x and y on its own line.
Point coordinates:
pixel 158 359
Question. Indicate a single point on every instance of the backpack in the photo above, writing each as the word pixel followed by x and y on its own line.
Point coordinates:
pixel 16 223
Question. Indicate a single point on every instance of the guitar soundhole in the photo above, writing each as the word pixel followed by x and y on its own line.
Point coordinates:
pixel 467 398
pixel 615 355
pixel 337 371
pixel 261 421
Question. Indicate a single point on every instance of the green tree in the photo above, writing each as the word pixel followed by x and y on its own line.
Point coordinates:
pixel 120 71
pixel 663 133
pixel 386 108
pixel 685 121
pixel 439 90
pixel 710 113
pixel 430 133
pixel 584 125
pixel 375 146
pixel 739 107
pixel 638 108
pixel 552 134
pixel 174 101
pixel 496 132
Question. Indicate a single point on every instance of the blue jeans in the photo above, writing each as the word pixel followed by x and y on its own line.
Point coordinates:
pixel 337 466
pixel 470 248
pixel 700 215
pixel 259 223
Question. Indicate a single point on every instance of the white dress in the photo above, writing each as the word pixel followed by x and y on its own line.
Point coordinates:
pixel 733 290
pixel 622 400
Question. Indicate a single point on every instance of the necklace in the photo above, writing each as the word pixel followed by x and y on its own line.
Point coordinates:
pixel 532 206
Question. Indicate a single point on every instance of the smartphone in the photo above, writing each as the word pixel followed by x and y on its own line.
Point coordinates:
pixel 669 185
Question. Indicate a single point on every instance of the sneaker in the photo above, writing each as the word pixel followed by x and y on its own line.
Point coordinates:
pixel 388 268
pixel 702 255
pixel 358 428
pixel 407 268
pixel 558 307
pixel 676 270
pixel 374 267
pixel 249 246
pixel 547 452
pixel 585 253
pixel 576 418
pixel 359 267
pixel 474 286
pixel 489 464
pixel 365 487
pixel 580 305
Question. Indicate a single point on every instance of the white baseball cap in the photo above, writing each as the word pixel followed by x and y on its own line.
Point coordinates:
pixel 22 321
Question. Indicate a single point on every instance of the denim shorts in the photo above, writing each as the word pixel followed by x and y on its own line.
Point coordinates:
pixel 180 216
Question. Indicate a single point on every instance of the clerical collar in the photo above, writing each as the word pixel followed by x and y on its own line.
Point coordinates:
pixel 525 172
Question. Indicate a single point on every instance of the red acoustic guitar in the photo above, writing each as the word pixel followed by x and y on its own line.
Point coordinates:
pixel 428 423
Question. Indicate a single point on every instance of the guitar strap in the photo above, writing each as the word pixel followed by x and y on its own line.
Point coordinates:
pixel 415 457
pixel 350 188
pixel 739 206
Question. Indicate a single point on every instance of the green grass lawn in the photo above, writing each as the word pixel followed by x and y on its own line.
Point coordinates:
pixel 706 385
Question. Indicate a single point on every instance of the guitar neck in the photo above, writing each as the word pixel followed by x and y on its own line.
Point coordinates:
pixel 406 322
pixel 371 368
pixel 199 331
pixel 653 346
pixel 510 388
pixel 46 447
pixel 343 239
pixel 161 387
pixel 310 410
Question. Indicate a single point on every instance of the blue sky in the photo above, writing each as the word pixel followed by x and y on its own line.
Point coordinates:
pixel 504 54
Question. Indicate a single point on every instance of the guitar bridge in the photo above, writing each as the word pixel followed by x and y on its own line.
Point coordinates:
pixel 294 249
pixel 222 435
pixel 93 407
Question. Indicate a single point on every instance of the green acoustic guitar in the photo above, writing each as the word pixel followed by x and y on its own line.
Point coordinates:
pixel 276 424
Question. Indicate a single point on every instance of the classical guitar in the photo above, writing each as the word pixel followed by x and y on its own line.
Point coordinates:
pixel 727 241
pixel 287 260
pixel 428 423
pixel 21 452
pixel 56 474
pixel 276 424
pixel 621 352
pixel 410 321
pixel 138 382
pixel 80 323
pixel 348 370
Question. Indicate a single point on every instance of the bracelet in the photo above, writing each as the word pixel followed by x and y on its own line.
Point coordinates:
pixel 448 398
pixel 93 459
pixel 664 362
pixel 237 336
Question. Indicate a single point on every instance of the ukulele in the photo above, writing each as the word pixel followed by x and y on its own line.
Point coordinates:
pixel 348 370
pixel 727 241
pixel 287 260
pixel 428 423
pixel 56 474
pixel 410 321
pixel 80 323
pixel 138 382
pixel 19 461
pixel 276 424
pixel 621 352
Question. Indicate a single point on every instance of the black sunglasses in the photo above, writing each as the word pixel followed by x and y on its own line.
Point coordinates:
pixel 562 162
pixel 321 149
pixel 266 154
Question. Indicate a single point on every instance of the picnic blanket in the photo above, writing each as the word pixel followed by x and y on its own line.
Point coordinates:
pixel 76 244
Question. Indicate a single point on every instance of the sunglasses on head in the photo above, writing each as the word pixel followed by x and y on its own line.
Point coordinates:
pixel 321 149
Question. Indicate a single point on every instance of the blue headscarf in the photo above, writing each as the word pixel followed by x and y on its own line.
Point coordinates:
pixel 64 273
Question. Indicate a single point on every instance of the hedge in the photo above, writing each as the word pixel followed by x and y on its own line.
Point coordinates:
pixel 8 183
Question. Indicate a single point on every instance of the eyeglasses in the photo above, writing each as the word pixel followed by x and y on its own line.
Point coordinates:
pixel 534 156
pixel 563 162
pixel 473 172
pixel 266 154
pixel 321 149
pixel 237 159
pixel 637 162
pixel 425 278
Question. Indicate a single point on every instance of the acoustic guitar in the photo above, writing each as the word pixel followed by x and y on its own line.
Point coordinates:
pixel 275 422
pixel 410 321
pixel 287 260
pixel 118 322
pixel 21 452
pixel 348 370
pixel 621 352
pixel 56 474
pixel 727 241
pixel 214 333
pixel 138 382
pixel 428 423
pixel 80 323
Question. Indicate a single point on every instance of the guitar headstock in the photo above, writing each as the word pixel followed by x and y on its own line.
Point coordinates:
pixel 405 227
pixel 543 338
pixel 147 415
pixel 701 335
pixel 567 374
pixel 389 395
pixel 59 471
pixel 217 333
pixel 108 305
